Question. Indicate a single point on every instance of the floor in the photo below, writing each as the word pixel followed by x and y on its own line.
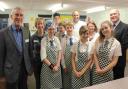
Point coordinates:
pixel 31 80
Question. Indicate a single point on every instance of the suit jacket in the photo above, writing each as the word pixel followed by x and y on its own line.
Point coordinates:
pixel 121 34
pixel 10 56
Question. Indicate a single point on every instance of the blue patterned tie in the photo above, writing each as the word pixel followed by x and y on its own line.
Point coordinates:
pixel 71 43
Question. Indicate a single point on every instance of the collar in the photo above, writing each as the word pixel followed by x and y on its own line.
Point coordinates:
pixel 14 28
pixel 108 39
pixel 117 23
pixel 53 38
pixel 76 22
pixel 69 36
pixel 86 43
pixel 36 33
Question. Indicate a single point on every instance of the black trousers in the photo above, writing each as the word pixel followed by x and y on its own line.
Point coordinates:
pixel 37 71
pixel 119 69
pixel 21 83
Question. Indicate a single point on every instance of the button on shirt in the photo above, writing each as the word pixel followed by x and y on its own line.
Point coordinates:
pixel 18 37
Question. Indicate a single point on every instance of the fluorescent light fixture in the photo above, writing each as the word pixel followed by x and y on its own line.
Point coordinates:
pixel 57 7
pixel 95 9
pixel 2 9
pixel 3 6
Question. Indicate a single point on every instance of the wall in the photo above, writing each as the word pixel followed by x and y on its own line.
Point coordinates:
pixel 101 16
pixel 97 17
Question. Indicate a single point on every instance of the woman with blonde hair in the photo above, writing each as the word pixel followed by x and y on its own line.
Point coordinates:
pixel 35 49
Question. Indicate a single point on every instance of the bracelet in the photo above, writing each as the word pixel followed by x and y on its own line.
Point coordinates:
pixel 51 66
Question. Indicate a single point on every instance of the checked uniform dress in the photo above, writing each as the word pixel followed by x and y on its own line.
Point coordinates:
pixel 103 58
pixel 50 79
pixel 82 59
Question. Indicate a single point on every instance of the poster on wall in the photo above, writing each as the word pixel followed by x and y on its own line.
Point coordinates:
pixel 66 18
pixel 32 27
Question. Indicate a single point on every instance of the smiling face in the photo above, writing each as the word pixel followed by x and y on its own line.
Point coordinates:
pixel 51 31
pixel 76 16
pixel 84 33
pixel 62 29
pixel 17 17
pixel 106 29
pixel 40 25
pixel 69 29
pixel 91 28
pixel 114 15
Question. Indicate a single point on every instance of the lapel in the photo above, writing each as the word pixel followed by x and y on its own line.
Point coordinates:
pixel 12 37
pixel 25 36
pixel 118 27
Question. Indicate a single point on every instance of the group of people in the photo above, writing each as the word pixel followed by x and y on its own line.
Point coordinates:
pixel 66 55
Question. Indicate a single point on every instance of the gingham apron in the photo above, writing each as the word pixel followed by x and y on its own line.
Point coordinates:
pixel 103 58
pixel 50 79
pixel 84 80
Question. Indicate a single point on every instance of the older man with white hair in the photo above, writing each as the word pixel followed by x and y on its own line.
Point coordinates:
pixel 15 63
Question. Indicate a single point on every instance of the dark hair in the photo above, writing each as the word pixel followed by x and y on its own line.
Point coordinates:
pixel 56 14
pixel 61 24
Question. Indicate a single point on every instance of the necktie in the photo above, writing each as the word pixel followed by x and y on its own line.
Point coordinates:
pixel 114 25
pixel 51 42
pixel 71 43
pixel 63 35
pixel 17 29
pixel 106 43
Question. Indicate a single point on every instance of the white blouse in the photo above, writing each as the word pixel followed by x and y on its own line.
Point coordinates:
pixel 115 49
pixel 66 41
pixel 83 48
pixel 44 44
pixel 95 36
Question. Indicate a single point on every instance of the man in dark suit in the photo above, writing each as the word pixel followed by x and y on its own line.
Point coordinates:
pixel 15 63
pixel 121 34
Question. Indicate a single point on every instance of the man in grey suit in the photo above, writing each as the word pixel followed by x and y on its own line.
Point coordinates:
pixel 15 63
pixel 121 34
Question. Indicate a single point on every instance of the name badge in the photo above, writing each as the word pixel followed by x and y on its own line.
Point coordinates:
pixel 26 40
